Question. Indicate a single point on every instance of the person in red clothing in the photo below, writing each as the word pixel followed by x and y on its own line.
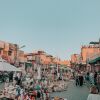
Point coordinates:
pixel 26 97
pixel 32 97
pixel 47 94
pixel 34 94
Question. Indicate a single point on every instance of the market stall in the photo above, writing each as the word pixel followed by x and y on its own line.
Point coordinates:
pixel 5 66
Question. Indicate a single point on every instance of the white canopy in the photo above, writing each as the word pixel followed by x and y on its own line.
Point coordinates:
pixel 5 66
pixel 52 66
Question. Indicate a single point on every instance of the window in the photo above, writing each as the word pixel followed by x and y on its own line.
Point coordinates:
pixel 9 53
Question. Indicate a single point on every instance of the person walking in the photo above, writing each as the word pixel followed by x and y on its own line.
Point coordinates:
pixel 94 95
pixel 95 78
pixel 92 78
pixel 81 80
pixel 77 79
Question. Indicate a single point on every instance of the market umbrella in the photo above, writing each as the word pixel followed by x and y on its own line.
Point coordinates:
pixel 5 66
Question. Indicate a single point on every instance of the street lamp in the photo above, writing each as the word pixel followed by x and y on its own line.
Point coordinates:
pixel 21 47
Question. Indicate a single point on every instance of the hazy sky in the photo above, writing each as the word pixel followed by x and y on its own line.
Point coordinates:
pixel 59 27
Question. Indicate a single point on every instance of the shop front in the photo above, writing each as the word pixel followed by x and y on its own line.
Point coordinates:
pixel 95 64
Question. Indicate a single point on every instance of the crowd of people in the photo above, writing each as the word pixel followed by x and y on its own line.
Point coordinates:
pixel 94 79
pixel 20 87
pixel 79 79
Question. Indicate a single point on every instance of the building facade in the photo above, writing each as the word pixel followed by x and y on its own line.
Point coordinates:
pixel 11 52
pixel 88 51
